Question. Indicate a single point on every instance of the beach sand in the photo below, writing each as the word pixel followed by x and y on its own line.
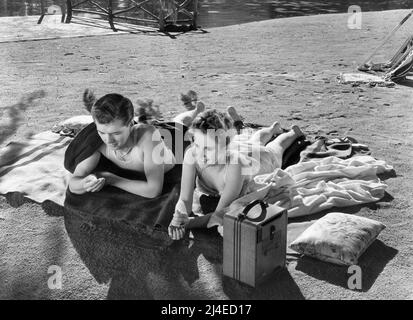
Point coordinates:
pixel 282 69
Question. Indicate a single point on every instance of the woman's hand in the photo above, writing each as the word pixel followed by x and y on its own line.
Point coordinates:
pixel 176 233
pixel 93 184
pixel 176 229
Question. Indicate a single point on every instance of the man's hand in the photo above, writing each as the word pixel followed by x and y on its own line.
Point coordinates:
pixel 108 176
pixel 93 184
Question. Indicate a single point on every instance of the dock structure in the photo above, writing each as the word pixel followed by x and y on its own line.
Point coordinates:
pixel 157 14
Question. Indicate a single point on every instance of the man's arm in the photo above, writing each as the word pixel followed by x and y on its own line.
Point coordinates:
pixel 82 180
pixel 153 168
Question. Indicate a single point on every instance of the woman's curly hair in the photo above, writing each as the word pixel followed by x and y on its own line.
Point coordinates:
pixel 212 120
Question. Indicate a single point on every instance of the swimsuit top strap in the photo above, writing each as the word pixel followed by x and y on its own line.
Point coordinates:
pixel 201 184
pixel 201 181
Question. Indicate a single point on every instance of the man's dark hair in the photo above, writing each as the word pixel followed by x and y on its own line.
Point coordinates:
pixel 110 107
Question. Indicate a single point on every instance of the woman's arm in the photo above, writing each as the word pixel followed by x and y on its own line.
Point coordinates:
pixel 232 190
pixel 233 186
pixel 180 219
pixel 188 180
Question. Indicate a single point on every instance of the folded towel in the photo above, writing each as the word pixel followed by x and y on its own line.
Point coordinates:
pixel 309 187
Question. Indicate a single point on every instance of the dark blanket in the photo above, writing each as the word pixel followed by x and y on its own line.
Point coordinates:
pixel 151 216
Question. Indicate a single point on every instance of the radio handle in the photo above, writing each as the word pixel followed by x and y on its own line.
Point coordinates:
pixel 244 214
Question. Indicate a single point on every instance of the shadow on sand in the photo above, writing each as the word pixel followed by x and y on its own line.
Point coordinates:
pixel 372 263
pixel 51 247
pixel 12 118
pixel 116 254
pixel 190 269
pixel 408 82
pixel 171 31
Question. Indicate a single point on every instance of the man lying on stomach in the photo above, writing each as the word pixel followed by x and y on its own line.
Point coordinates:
pixel 137 147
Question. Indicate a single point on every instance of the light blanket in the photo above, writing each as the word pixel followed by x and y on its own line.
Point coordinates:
pixel 310 187
pixel 35 168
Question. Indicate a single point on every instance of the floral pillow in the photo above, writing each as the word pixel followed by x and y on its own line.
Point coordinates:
pixel 338 238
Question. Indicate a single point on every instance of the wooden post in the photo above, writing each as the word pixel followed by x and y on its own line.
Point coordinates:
pixel 194 23
pixel 68 11
pixel 42 8
pixel 161 18
pixel 110 15
pixel 5 7
pixel 42 12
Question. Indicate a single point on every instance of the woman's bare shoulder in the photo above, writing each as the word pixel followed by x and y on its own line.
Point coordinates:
pixel 142 132
pixel 190 154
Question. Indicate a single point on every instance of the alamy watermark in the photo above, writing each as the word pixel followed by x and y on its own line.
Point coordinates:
pixel 354 20
pixel 55 280
pixel 354 282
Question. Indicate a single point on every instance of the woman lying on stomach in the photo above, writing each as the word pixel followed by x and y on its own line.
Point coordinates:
pixel 223 164
pixel 137 147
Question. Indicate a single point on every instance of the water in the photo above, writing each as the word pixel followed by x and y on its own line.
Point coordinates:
pixel 215 13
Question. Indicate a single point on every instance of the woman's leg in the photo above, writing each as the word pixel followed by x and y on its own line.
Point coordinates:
pixel 238 123
pixel 264 135
pixel 187 117
pixel 284 140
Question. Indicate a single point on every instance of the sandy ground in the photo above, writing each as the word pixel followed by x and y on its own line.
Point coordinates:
pixel 18 29
pixel 282 69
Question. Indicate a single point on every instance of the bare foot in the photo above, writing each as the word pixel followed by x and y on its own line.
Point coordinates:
pixel 142 116
pixel 189 100
pixel 200 107
pixel 297 131
pixel 187 117
pixel 189 106
pixel 233 114
pixel 266 134
pixel 276 129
